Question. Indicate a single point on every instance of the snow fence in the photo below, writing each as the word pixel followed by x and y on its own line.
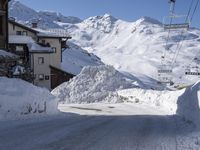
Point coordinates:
pixel 22 99
pixel 93 84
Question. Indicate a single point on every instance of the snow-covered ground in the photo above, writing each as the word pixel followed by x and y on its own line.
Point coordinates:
pixel 20 99
pixel 142 128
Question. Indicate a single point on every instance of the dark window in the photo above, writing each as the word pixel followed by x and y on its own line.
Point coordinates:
pixel 46 77
pixel 54 49
pixel 41 60
pixel 25 33
pixel 19 32
pixel 43 42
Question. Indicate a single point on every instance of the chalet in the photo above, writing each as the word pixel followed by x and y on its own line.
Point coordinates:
pixel 40 54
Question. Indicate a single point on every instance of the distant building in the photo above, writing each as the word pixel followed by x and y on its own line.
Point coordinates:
pixel 40 54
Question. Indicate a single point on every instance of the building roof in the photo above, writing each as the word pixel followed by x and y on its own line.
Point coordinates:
pixel 41 32
pixel 20 39
pixel 36 48
pixel 4 55
pixel 32 45
pixel 23 26
pixel 56 33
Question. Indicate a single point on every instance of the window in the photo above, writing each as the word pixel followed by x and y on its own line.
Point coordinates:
pixel 19 32
pixel 46 77
pixel 54 49
pixel 41 60
pixel 19 48
pixel 24 33
pixel 41 76
pixel 43 42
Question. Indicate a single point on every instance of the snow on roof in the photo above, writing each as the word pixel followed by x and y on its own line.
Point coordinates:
pixel 32 45
pixel 4 54
pixel 57 33
pixel 20 39
pixel 36 48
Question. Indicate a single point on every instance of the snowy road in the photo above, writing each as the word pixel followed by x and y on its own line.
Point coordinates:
pixel 116 132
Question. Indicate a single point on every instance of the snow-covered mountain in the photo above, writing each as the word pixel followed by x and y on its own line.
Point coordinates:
pixel 45 19
pixel 136 48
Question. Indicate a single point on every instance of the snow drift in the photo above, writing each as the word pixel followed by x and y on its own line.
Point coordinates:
pixel 188 103
pixel 21 99
pixel 93 84
pixel 163 99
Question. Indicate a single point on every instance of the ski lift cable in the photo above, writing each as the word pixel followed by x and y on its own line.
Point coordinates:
pixel 194 10
pixel 179 46
pixel 172 9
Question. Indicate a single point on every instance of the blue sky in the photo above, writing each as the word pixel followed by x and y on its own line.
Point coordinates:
pixel 129 10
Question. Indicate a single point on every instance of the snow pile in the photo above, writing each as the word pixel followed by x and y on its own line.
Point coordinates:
pixel 21 99
pixel 188 103
pixel 93 84
pixel 163 99
pixel 75 58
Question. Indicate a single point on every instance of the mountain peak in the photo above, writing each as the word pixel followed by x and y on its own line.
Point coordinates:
pixel 24 14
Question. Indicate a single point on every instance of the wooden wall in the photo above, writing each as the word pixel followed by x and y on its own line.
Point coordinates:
pixel 58 77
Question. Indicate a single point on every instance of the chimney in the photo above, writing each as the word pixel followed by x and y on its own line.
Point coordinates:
pixel 34 25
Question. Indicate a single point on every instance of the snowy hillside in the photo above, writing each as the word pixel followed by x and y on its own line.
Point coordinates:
pixel 75 58
pixel 45 19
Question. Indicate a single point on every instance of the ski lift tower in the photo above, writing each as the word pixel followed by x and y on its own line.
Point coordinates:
pixel 168 23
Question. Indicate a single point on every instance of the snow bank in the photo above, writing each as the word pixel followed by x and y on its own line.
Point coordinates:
pixel 93 84
pixel 21 99
pixel 185 102
pixel 164 99
pixel 188 103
